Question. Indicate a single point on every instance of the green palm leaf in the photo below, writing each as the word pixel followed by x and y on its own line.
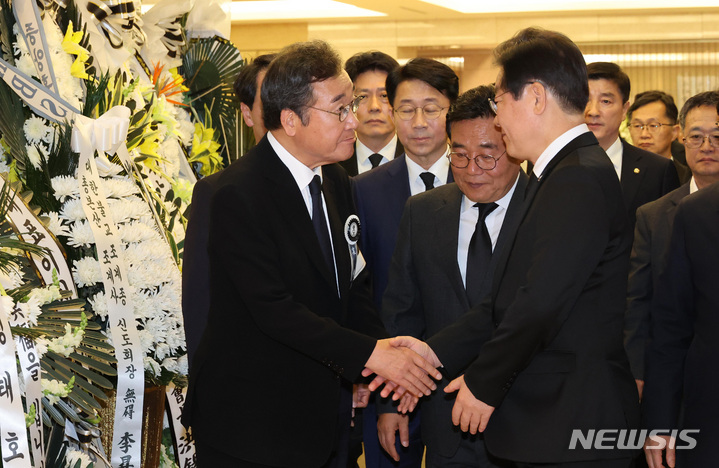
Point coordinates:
pixel 210 67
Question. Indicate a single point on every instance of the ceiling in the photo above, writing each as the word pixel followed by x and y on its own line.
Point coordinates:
pixel 417 10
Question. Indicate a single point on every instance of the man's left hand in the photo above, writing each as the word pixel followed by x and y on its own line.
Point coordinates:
pixel 469 413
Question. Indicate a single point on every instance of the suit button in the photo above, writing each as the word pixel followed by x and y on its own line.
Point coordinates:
pixel 496 324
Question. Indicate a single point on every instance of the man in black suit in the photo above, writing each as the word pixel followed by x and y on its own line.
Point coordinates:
pixel 420 93
pixel 291 322
pixel 653 125
pixel 376 139
pixel 644 176
pixel 654 228
pixel 555 362
pixel 682 376
pixel 442 249
pixel 196 264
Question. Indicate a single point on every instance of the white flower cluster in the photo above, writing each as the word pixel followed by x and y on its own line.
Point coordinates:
pixel 54 390
pixel 63 345
pixel 73 456
pixel 153 275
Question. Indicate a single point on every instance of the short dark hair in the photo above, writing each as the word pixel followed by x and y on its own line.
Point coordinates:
pixel 708 98
pixel 290 76
pixel 246 81
pixel 470 105
pixel 373 60
pixel 535 54
pixel 434 73
pixel 648 97
pixel 611 72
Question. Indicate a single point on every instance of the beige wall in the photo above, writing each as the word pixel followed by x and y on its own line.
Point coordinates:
pixel 473 38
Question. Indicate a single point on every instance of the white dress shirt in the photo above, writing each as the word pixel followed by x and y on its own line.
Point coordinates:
pixel 469 214
pixel 440 169
pixel 363 154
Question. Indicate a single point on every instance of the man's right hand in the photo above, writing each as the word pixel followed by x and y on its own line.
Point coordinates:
pixel 387 425
pixel 402 366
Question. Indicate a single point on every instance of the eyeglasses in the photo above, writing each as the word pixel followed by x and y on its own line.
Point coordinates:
pixel 696 140
pixel 344 111
pixel 430 111
pixel 493 101
pixel 651 127
pixel 486 162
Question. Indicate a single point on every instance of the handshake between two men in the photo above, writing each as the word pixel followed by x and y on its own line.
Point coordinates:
pixel 407 366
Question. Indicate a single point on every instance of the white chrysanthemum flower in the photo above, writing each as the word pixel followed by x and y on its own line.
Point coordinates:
pixel 46 295
pixel 36 129
pixel 137 232
pixel 41 346
pixel 99 305
pixel 185 131
pixel 146 340
pixel 152 366
pixel 86 272
pixel 72 211
pixel 65 187
pixel 73 456
pixel 7 304
pixel 171 364
pixel 30 309
pixel 26 64
pixel 162 350
pixel 125 209
pixel 81 235
pixel 120 187
pixel 107 168
pixel 11 279
pixel 33 155
pixel 54 224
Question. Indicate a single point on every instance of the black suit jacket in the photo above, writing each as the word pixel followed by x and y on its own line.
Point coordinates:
pixel 380 195
pixel 648 259
pixel 425 292
pixel 682 370
pixel 645 177
pixel 196 264
pixel 555 361
pixel 350 164
pixel 280 341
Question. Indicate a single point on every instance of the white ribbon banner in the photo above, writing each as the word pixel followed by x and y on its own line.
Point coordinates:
pixel 30 26
pixel 30 229
pixel 30 364
pixel 39 98
pixel 186 457
pixel 13 435
pixel 108 133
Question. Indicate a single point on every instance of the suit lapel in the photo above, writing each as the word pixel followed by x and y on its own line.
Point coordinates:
pixel 288 200
pixel 446 238
pixel 339 244
pixel 585 139
pixel 632 173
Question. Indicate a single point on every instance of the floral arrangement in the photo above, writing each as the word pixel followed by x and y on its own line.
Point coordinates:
pixel 179 128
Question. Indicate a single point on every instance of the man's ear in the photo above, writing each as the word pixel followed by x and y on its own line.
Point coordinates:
pixel 290 121
pixel 247 114
pixel 538 93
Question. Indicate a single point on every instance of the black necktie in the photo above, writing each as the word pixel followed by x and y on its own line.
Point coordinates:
pixel 319 222
pixel 375 159
pixel 531 185
pixel 428 179
pixel 480 253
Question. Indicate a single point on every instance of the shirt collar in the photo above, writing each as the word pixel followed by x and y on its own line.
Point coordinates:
pixel 363 152
pixel 551 151
pixel 440 168
pixel 302 174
